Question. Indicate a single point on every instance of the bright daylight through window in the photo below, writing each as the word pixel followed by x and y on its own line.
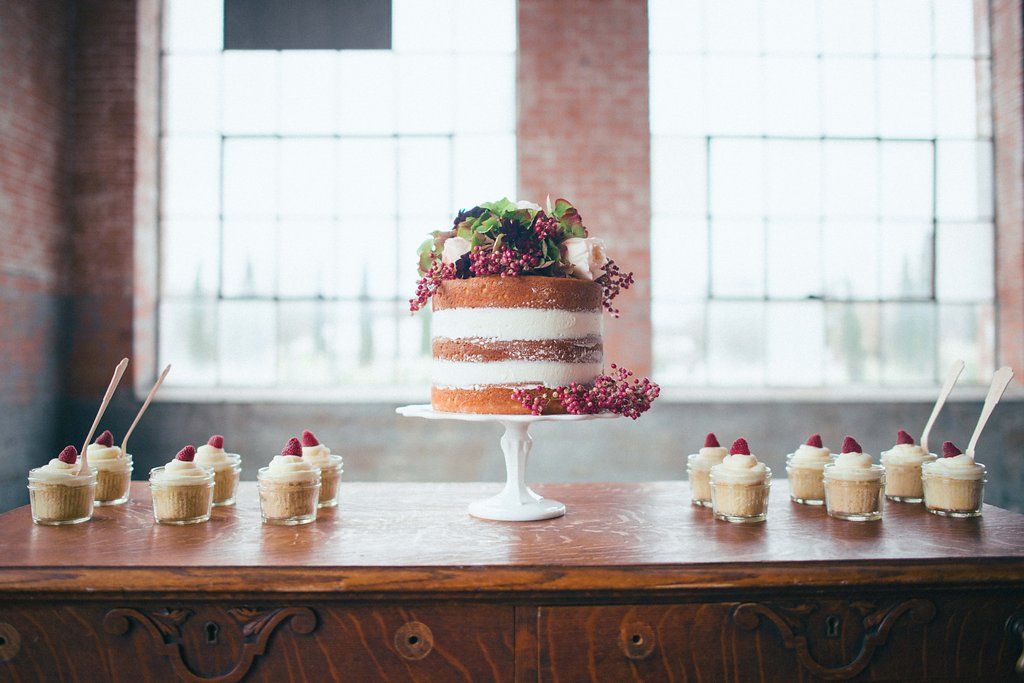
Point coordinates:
pixel 297 184
pixel 822 191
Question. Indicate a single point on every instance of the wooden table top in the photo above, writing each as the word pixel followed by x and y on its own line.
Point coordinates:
pixel 387 538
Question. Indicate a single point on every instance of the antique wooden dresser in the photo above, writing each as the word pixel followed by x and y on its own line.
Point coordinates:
pixel 400 583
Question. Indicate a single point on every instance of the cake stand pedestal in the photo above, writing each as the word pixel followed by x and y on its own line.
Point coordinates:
pixel 516 502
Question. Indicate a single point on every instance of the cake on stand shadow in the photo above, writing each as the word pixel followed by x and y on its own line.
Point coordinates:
pixel 516 502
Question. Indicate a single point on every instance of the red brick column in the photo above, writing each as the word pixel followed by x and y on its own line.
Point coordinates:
pixel 590 143
pixel 1008 122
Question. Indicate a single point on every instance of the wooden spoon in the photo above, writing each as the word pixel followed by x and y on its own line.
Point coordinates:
pixel 951 378
pixel 995 391
pixel 152 393
pixel 114 381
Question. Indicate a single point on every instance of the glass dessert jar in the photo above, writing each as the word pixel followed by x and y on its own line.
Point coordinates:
pixel 804 469
pixel 289 488
pixel 853 485
pixel 331 467
pixel 59 494
pixel 113 470
pixel 698 469
pixel 182 490
pixel 227 469
pixel 954 485
pixel 903 464
pixel 740 486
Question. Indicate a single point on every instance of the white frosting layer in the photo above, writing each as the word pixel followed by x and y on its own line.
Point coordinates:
pixel 958 467
pixel 59 472
pixel 810 456
pixel 290 469
pixel 740 469
pixel 707 457
pixel 510 324
pixel 468 375
pixel 107 457
pixel 181 473
pixel 320 456
pixel 217 458
pixel 906 454
pixel 854 466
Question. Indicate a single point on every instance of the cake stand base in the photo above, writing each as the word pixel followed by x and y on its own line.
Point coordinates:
pixel 516 502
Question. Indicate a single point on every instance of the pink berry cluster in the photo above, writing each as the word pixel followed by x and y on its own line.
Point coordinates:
pixel 613 282
pixel 428 284
pixel 618 393
pixel 546 226
pixel 502 261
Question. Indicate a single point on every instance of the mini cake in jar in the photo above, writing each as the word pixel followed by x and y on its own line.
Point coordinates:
pixel 698 469
pixel 227 468
pixel 182 490
pixel 289 487
pixel 58 493
pixel 740 486
pixel 113 470
pixel 853 485
pixel 804 468
pixel 902 465
pixel 330 466
pixel 954 485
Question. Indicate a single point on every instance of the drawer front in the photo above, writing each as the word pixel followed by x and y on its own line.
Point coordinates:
pixel 862 638
pixel 203 641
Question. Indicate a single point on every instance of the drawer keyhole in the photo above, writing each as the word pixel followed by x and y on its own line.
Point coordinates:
pixel 211 630
pixel 832 626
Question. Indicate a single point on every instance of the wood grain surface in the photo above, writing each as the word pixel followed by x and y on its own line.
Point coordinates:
pixel 394 538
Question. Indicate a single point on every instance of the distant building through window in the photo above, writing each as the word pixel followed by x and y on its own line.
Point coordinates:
pixel 822 192
pixel 296 185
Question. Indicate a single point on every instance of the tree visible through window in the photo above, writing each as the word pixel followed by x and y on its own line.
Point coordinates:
pixel 822 191
pixel 297 184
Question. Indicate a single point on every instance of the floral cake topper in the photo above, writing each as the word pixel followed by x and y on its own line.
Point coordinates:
pixel 509 239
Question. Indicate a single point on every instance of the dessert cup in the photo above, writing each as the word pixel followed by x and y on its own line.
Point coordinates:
pixel 855 499
pixel 68 501
pixel 806 483
pixel 113 479
pixel 738 501
pixel 225 481
pixel 287 502
pixel 330 478
pixel 700 481
pixel 949 496
pixel 903 482
pixel 180 502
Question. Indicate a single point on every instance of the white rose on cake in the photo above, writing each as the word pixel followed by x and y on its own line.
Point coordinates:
pixel 585 255
pixel 454 248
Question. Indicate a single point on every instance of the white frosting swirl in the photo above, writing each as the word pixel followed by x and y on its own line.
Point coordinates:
pixel 958 467
pixel 707 457
pixel 59 472
pixel 217 458
pixel 810 456
pixel 740 469
pixel 854 466
pixel 906 454
pixel 107 457
pixel 181 472
pixel 290 468
pixel 317 456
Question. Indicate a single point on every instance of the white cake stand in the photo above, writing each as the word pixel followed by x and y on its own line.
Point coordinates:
pixel 516 502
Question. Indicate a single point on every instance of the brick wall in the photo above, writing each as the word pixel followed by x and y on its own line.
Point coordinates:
pixel 33 233
pixel 586 141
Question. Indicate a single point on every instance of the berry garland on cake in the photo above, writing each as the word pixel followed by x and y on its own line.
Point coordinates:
pixel 510 239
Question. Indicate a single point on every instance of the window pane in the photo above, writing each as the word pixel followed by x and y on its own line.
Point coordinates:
pixel 794 178
pixel 677 95
pixel 495 19
pixel 307 177
pixel 250 91
pixel 306 258
pixel 737 258
pixel 964 263
pixel 193 25
pixel 737 177
pixel 367 176
pixel 192 347
pixel 954 27
pixel 853 338
pixel 679 259
pixel 192 98
pixel 732 26
pixel 791 100
pixel 790 26
pixel 796 341
pixel 848 27
pixel 678 347
pixel 736 343
pixel 249 257
pixel 486 88
pixel 425 93
pixel 369 273
pixel 422 26
pixel 191 176
pixel 852 254
pixel 906 260
pixel 794 259
pixel 956 97
pixel 964 183
pixel 304 332
pixel 189 257
pixel 734 103
pixel 907 179
pixel 851 178
pixel 424 176
pixel 474 154
pixel 675 26
pixel 247 347
pixel 849 97
pixel 968 334
pixel 307 98
pixel 905 97
pixel 251 169
pixel 908 343
pixel 367 92
pixel 904 27
pixel 679 176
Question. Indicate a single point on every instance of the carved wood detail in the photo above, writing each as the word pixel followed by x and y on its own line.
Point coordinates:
pixel 256 626
pixel 791 625
pixel 10 642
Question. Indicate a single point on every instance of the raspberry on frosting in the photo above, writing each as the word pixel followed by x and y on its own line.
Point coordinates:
pixel 309 439
pixel 216 441
pixel 186 454
pixel 711 441
pixel 904 439
pixel 739 447
pixel 814 440
pixel 69 455
pixel 850 445
pixel 949 450
pixel 105 439
pixel 293 447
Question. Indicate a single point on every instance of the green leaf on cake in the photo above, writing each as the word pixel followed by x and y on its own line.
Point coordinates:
pixel 560 207
pixel 500 207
